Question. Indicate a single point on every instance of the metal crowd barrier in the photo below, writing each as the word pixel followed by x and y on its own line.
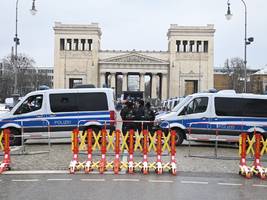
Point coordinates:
pixel 28 136
pixel 215 138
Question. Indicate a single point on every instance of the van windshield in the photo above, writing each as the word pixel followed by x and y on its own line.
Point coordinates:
pixel 32 103
pixel 181 103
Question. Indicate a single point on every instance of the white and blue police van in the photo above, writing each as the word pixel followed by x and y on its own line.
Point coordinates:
pixel 227 111
pixel 58 111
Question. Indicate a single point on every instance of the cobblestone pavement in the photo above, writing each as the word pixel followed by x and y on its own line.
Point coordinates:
pixel 40 157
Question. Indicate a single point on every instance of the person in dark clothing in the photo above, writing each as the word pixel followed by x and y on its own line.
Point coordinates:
pixel 140 114
pixel 128 113
pixel 149 115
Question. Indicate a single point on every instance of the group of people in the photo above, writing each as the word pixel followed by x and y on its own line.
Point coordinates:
pixel 137 111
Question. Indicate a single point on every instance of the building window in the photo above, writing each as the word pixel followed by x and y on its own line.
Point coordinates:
pixel 191 45
pixel 76 44
pixel 206 47
pixel 83 44
pixel 90 41
pixel 198 46
pixel 178 42
pixel 62 44
pixel 191 86
pixel 184 46
pixel 75 81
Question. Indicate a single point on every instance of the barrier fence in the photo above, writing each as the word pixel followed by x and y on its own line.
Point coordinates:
pixel 21 136
pixel 46 135
pixel 213 136
pixel 8 137
pixel 4 144
pixel 132 142
pixel 151 145
pixel 254 144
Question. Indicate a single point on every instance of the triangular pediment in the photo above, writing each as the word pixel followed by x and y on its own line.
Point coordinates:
pixel 134 58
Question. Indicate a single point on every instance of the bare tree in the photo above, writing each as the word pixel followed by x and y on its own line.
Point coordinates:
pixel 6 81
pixel 27 76
pixel 25 72
pixel 235 68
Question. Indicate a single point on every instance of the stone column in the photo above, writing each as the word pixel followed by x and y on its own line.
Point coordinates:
pixel 124 82
pixel 86 45
pixel 102 79
pixel 164 86
pixel 79 44
pixel 154 86
pixel 142 82
pixel 201 48
pixel 72 45
pixel 195 46
pixel 113 80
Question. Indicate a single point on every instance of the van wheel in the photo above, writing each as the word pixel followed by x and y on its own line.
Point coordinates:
pixel 179 137
pixel 15 137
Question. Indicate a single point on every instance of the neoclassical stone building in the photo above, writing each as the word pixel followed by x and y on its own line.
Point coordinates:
pixel 186 67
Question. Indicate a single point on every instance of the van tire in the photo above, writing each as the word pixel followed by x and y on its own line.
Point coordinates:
pixel 15 137
pixel 179 137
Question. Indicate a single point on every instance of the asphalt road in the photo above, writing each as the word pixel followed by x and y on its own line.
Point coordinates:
pixel 80 186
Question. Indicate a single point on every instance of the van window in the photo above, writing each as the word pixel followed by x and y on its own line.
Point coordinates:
pixel 92 101
pixel 241 107
pixel 66 102
pixel 71 102
pixel 32 103
pixel 197 105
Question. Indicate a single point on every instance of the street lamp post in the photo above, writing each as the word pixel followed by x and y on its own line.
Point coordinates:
pixel 247 41
pixel 16 40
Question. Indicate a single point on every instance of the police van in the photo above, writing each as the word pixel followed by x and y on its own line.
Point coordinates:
pixel 58 111
pixel 227 111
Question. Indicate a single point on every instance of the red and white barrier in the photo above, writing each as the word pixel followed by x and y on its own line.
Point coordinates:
pixel 103 161
pixel 257 167
pixel 116 163
pixel 173 153
pixel 244 169
pixel 5 165
pixel 144 141
pixel 159 168
pixel 75 141
pixel 145 168
pixel 131 152
pixel 88 163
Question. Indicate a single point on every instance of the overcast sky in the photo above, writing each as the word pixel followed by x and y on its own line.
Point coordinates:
pixel 136 24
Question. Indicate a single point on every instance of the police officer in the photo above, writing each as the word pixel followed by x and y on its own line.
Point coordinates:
pixel 140 114
pixel 149 115
pixel 128 113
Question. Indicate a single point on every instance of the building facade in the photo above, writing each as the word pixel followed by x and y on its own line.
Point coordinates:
pixel 258 82
pixel 48 73
pixel 186 67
